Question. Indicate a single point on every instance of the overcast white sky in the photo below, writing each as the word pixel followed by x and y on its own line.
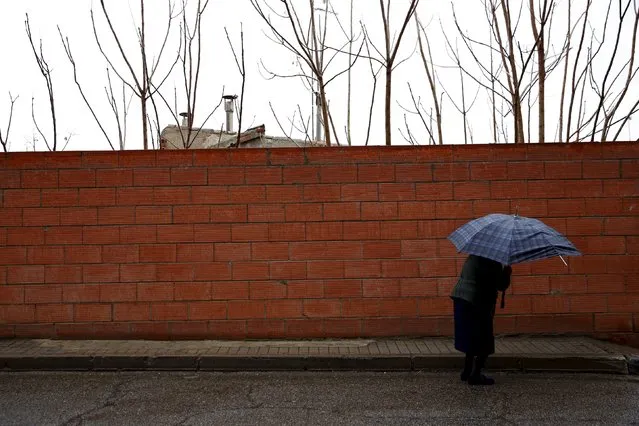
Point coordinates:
pixel 20 75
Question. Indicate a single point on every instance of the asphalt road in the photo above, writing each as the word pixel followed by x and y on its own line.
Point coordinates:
pixel 313 398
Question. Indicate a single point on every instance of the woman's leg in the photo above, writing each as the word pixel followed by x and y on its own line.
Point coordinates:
pixel 476 378
pixel 468 367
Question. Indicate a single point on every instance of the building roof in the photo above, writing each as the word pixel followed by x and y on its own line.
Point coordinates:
pixel 174 137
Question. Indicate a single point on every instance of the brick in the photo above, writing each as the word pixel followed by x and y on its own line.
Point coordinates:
pixel 326 231
pixel 91 312
pixel 629 169
pixel 322 192
pixel 210 194
pixel 39 179
pixel 304 212
pixel 381 249
pixel 434 191
pixel 137 273
pixel 247 194
pixel 97 196
pixel 397 191
pixel 120 254
pixel 195 252
pixel 189 176
pixel 249 157
pixel 11 295
pixel 212 233
pixel 529 208
pixel 579 323
pixel 65 274
pixel 359 192
pixel 82 254
pixel 362 231
pixel 283 309
pixel 181 158
pixel 397 230
pixel 413 249
pixel 250 270
pixel 10 217
pixel 400 269
pixel 336 174
pixel 454 210
pixel 135 196
pixel 287 270
pixel 566 207
pixel 39 255
pixel 150 330
pixel 621 303
pixel 76 178
pixel 471 190
pixel 100 159
pixel 325 269
pixel 250 232
pixel 602 245
pixel 613 322
pixel 435 228
pixel 413 172
pixel 266 213
pixel 340 211
pixel 341 155
pixel 175 233
pixel 138 234
pixel 60 197
pixel 563 170
pixel 621 226
pixel 526 170
pixel 229 213
pixel 583 188
pixel 215 157
pixel 585 226
pixel 113 178
pixel 418 287
pixel 63 160
pixel 53 313
pixel 139 158
pixel 342 288
pixel 361 308
pixel 175 272
pixel 154 292
pixel 22 198
pixel 214 271
pixel 380 211
pixel 550 304
pixel 192 291
pixel 118 293
pixel 116 215
pixel 79 216
pixel 286 232
pixel 434 306
pixel 621 188
pixel 158 253
pixel 43 216
pixel 284 193
pixel 32 274
pixel 80 293
pixel 13 255
pixel 376 172
pixel 451 172
pixel 362 269
pixel 437 267
pixel 131 311
pixel 269 251
pixel 267 290
pixel 325 308
pixel 246 309
pixel 263 175
pixel 9 179
pixel 191 214
pixel 604 169
pixel 631 206
pixel 171 195
pixel 232 252
pixel 169 311
pixel 43 294
pixel 484 207
pixel 517 305
pixel 382 327
pixel 231 290
pixel 527 284
pixel 381 288
pixel 207 310
pixel 587 264
pixel 226 176
pixel 509 189
pixel 588 303
pixel 15 314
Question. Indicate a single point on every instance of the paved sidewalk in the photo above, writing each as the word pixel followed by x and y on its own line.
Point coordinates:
pixel 574 354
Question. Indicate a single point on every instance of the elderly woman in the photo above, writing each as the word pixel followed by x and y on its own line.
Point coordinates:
pixel 474 300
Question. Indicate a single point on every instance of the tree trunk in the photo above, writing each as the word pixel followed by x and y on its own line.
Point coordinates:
pixel 387 111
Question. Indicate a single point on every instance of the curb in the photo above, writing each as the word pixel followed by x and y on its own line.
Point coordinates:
pixel 609 364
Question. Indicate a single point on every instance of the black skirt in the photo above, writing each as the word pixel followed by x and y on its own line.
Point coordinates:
pixel 473 328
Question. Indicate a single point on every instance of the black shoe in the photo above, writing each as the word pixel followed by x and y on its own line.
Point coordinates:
pixel 480 380
pixel 465 375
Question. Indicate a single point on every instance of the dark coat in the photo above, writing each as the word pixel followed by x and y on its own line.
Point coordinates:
pixel 480 280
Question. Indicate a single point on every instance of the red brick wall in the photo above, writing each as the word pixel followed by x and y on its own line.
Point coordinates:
pixel 301 243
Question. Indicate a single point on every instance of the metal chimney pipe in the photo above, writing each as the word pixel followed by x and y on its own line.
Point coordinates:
pixel 229 107
pixel 318 117
pixel 185 119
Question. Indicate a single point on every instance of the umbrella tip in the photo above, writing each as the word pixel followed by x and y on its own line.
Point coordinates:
pixel 517 210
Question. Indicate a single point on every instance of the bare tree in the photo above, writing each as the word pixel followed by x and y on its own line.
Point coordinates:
pixel 308 44
pixel 431 74
pixel 241 67
pixel 45 70
pixel 389 55
pixel 539 34
pixel 4 140
pixel 143 80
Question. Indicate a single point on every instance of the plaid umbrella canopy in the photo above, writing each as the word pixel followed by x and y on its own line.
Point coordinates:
pixel 511 239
